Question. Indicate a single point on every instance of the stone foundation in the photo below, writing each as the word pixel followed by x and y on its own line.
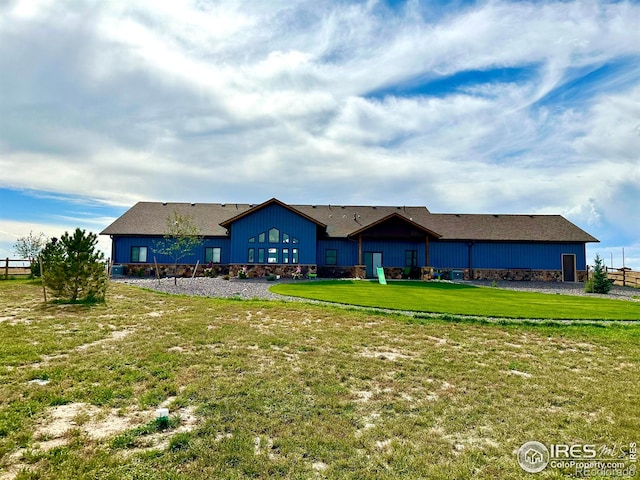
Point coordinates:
pixel 355 271
pixel 520 275
pixel 337 272
pixel 149 270
pixel 257 271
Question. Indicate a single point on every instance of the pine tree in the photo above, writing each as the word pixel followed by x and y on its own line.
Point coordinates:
pixel 599 282
pixel 73 269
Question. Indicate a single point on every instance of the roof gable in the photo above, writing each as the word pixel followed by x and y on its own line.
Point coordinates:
pixel 390 219
pixel 227 223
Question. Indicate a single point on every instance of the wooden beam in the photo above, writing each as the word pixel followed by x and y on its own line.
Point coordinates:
pixel 360 249
pixel 426 251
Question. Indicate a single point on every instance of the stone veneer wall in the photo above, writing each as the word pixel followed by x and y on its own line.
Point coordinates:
pixel 356 271
pixel 255 271
pixel 516 274
pixel 148 270
pixel 522 275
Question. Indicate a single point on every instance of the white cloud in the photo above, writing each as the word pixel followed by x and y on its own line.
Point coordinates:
pixel 242 101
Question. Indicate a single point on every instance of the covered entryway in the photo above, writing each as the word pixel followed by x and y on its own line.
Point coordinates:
pixel 403 243
pixel 568 267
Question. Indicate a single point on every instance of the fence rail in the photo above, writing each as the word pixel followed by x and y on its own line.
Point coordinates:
pixel 13 267
pixel 624 277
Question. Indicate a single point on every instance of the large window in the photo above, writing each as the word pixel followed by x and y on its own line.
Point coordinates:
pixel 410 258
pixel 139 254
pixel 212 255
pixel 331 256
pixel 273 254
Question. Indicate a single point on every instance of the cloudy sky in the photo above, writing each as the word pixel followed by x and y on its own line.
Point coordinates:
pixel 462 106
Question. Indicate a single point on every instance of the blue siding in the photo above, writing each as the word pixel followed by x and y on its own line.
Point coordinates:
pixel 536 256
pixel 123 250
pixel 269 217
pixel 347 251
pixel 393 251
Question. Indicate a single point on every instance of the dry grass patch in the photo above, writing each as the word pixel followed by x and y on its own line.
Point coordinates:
pixel 289 390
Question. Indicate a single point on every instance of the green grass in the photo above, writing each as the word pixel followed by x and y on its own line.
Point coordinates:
pixel 457 299
pixel 294 390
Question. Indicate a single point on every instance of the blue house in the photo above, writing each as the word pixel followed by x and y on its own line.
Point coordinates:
pixel 352 241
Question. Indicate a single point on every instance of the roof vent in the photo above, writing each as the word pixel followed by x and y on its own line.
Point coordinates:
pixel 313 206
pixel 496 216
pixel 164 203
pixel 223 204
pixel 193 204
pixel 374 207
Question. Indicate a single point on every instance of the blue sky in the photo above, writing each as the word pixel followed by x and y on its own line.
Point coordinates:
pixel 465 107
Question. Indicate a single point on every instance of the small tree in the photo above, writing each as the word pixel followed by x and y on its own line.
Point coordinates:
pixel 599 282
pixel 182 237
pixel 29 247
pixel 73 269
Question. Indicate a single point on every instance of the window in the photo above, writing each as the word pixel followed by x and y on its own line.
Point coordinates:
pixel 272 255
pixel 285 238
pixel 251 255
pixel 331 256
pixel 212 255
pixel 261 255
pixel 285 255
pixel 252 239
pixel 274 235
pixel 294 252
pixel 410 258
pixel 295 240
pixel 139 254
pixel 261 237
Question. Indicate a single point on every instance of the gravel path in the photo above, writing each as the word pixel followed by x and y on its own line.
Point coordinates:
pixel 259 288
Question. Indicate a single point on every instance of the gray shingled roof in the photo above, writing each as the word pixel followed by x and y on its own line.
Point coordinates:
pixel 149 218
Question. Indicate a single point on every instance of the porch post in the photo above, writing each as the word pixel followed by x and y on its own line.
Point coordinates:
pixel 360 249
pixel 426 251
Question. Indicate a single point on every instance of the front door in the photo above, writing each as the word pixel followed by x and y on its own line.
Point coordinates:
pixel 372 260
pixel 568 267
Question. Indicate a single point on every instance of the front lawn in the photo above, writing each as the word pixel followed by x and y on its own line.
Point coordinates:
pixel 260 390
pixel 456 299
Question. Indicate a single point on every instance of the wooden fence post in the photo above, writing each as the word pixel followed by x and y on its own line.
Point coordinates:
pixel 6 269
pixel 44 288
